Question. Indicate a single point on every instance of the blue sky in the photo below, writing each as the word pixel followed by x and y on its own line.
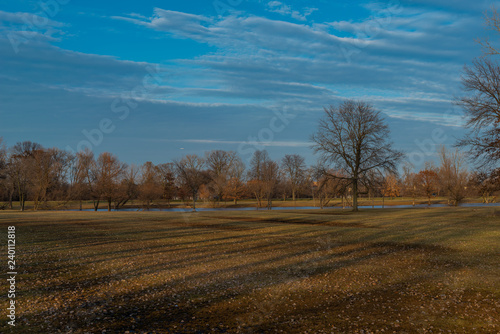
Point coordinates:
pixel 154 80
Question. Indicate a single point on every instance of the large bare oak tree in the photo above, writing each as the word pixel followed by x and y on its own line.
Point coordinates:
pixel 482 110
pixel 354 138
pixel 481 83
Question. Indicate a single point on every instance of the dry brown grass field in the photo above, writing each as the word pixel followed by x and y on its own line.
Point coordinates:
pixel 252 203
pixel 307 271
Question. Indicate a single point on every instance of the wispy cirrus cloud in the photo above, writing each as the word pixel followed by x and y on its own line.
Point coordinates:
pixel 236 142
pixel 286 10
pixel 302 63
pixel 21 26
pixel 178 23
pixel 23 18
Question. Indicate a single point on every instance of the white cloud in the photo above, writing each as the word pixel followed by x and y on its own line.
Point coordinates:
pixel 236 142
pixel 178 23
pixel 286 10
pixel 28 19
pixel 404 51
pixel 20 28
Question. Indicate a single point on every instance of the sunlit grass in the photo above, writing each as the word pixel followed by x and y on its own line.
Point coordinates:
pixel 418 270
pixel 278 202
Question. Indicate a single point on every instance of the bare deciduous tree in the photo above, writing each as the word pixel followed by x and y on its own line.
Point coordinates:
pixel 222 166
pixel 353 137
pixel 20 162
pixel 3 159
pixel 128 188
pixel 108 171
pixel 391 186
pixel 294 168
pixel 492 20
pixel 167 179
pixel 427 181
pixel 234 190
pixel 190 170
pixel 79 189
pixel 4 184
pixel 256 175
pixel 48 170
pixel 482 110
pixel 150 184
pixel 482 103
pixel 326 187
pixel 86 166
pixel 453 175
pixel 270 179
pixel 409 182
pixel 485 184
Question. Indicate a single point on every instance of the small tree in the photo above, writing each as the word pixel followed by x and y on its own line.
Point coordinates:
pixel 222 166
pixel 256 175
pixel 294 169
pixel 150 187
pixel 391 186
pixel 20 168
pixel 485 184
pixel 427 181
pixel 234 190
pixel 167 177
pixel 409 182
pixel 192 174
pixel 327 187
pixel 453 175
pixel 3 168
pixel 127 189
pixel 88 168
pixel 270 181
pixel 108 171
pixel 48 170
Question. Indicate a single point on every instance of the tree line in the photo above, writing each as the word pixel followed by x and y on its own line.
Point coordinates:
pixel 28 171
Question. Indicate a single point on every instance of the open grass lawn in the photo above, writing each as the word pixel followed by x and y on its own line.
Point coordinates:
pixel 321 271
pixel 277 202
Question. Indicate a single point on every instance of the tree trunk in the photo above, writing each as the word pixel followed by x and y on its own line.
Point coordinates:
pixel 109 204
pixel 80 205
pixel 485 198
pixel 11 193
pixel 355 195
pixel 22 200
pixel 194 201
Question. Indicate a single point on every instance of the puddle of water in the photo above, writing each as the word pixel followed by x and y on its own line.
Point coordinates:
pixel 296 208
